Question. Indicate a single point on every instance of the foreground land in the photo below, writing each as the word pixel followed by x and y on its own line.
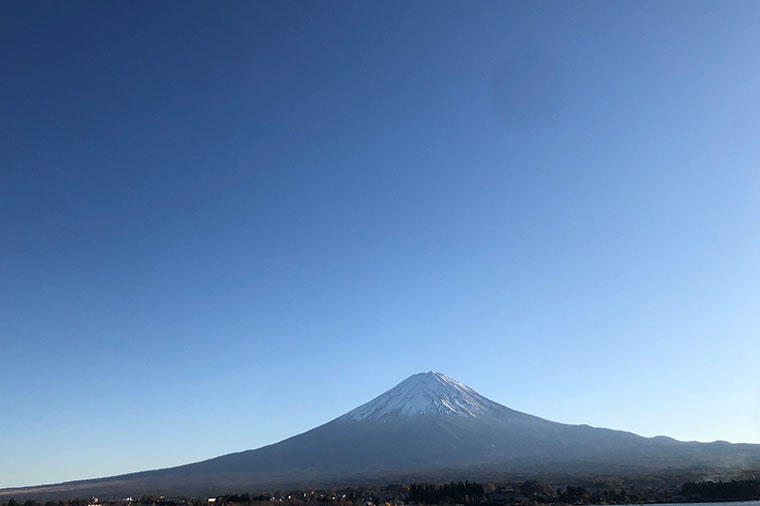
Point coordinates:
pixel 532 492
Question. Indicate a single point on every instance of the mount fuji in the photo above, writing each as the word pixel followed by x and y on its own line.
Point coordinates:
pixel 428 427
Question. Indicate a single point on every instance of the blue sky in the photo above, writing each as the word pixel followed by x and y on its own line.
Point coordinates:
pixel 223 224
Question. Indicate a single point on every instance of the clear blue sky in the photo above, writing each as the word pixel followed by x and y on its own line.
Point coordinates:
pixel 222 224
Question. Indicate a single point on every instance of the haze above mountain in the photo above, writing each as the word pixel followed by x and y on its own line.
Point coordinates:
pixel 428 427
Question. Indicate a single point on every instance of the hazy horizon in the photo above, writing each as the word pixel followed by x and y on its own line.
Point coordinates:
pixel 225 224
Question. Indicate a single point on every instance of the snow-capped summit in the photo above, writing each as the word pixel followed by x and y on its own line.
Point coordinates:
pixel 429 394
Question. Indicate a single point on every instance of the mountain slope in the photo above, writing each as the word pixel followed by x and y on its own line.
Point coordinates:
pixel 427 427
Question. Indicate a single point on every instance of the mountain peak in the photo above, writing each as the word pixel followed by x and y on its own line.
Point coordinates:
pixel 425 394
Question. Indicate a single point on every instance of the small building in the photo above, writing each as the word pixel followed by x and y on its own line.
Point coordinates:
pixel 504 495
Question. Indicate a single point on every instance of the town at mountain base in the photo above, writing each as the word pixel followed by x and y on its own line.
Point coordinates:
pixel 427 428
pixel 467 493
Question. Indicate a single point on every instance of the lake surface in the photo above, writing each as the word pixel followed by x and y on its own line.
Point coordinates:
pixel 733 503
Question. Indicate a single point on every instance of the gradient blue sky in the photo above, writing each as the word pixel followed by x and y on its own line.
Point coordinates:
pixel 226 223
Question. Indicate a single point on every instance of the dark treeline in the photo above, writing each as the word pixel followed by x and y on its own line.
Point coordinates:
pixel 246 498
pixel 456 493
pixel 734 490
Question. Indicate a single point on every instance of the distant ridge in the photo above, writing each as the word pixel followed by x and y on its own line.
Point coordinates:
pixel 428 427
